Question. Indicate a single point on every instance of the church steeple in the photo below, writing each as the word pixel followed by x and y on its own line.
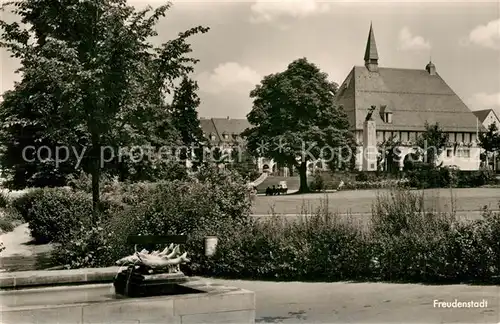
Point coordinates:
pixel 371 54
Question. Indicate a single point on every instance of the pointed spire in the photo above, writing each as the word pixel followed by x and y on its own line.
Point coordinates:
pixel 371 53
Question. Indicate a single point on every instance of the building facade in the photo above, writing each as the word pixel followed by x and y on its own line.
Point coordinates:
pixel 225 134
pixel 487 117
pixel 393 103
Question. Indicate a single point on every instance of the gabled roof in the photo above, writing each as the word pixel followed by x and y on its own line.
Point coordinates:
pixel 208 127
pixel 414 97
pixel 230 126
pixel 482 114
pixel 224 126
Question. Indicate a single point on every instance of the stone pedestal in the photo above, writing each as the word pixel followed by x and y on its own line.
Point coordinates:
pixel 370 151
pixel 133 283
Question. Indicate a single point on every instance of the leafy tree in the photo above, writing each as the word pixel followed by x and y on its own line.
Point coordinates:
pixel 490 140
pixel 432 142
pixel 295 119
pixel 185 117
pixel 243 163
pixel 219 156
pixel 91 78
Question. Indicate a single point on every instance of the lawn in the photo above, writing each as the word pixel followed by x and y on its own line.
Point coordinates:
pixel 360 201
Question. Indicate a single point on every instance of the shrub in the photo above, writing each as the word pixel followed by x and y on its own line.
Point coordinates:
pixel 4 201
pixel 87 246
pixel 24 202
pixel 318 182
pixel 9 219
pixel 6 225
pixel 428 176
pixel 383 184
pixel 475 178
pixel 211 203
pixel 53 212
pixel 367 176
pixel 314 248
pixel 403 242
pixel 403 211
pixel 326 180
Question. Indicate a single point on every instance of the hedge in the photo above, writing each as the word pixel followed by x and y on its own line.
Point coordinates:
pixel 401 242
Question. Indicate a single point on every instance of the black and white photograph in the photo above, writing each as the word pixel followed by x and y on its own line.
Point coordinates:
pixel 249 161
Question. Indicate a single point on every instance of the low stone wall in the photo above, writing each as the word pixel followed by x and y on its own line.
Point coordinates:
pixel 56 277
pixel 213 304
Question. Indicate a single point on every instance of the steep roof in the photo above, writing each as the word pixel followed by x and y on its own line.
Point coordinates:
pixel 413 96
pixel 208 127
pixel 224 126
pixel 482 114
pixel 230 126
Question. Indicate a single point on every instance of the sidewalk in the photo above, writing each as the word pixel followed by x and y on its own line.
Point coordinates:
pixel 297 302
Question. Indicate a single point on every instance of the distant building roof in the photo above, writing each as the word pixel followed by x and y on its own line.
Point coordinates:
pixel 224 126
pixel 482 114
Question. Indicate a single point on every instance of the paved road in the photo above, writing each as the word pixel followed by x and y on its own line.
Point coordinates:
pixel 297 302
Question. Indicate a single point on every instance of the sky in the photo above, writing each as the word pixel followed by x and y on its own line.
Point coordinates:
pixel 250 39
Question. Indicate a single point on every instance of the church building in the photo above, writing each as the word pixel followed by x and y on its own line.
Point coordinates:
pixel 385 102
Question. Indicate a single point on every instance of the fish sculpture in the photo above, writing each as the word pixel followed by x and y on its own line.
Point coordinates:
pixel 167 260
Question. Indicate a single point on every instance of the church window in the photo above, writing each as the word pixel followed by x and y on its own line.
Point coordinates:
pixel 412 136
pixel 467 137
pixel 460 137
pixel 404 136
pixel 473 137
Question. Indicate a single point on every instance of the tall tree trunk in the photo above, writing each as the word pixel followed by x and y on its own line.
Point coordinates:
pixel 302 168
pixel 96 173
pixel 95 191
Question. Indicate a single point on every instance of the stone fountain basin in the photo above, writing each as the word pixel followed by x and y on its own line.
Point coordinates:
pixel 197 301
